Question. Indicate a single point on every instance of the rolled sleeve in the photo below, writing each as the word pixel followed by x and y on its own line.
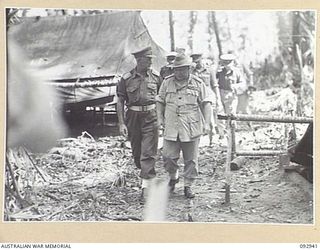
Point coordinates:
pixel 205 95
pixel 121 89
pixel 213 78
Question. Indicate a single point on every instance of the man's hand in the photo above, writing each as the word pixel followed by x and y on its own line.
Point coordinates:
pixel 219 106
pixel 234 90
pixel 123 130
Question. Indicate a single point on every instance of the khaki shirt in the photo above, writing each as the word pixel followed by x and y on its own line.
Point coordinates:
pixel 207 75
pixel 137 89
pixel 231 80
pixel 183 118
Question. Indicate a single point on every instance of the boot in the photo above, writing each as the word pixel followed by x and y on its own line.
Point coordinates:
pixel 137 162
pixel 172 183
pixel 188 192
pixel 143 195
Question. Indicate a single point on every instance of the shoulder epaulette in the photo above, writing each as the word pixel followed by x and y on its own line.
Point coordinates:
pixel 219 70
pixel 196 78
pixel 126 75
pixel 169 76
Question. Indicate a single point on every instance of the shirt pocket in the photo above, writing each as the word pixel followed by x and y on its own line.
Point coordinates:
pixel 152 90
pixel 191 96
pixel 195 125
pixel 171 97
pixel 133 92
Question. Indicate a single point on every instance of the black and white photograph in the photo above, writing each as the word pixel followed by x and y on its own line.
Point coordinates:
pixel 176 116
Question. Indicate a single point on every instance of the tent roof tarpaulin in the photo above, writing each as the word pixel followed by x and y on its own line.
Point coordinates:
pixel 72 47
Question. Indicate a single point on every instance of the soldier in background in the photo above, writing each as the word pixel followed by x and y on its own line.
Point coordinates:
pixel 138 89
pixel 243 98
pixel 207 74
pixel 231 83
pixel 167 69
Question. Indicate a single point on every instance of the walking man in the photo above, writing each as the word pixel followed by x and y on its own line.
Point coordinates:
pixel 231 83
pixel 207 75
pixel 138 89
pixel 184 112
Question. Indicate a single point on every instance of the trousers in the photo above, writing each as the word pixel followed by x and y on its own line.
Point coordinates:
pixel 229 101
pixel 171 154
pixel 143 136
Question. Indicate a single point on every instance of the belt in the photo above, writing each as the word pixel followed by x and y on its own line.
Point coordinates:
pixel 142 108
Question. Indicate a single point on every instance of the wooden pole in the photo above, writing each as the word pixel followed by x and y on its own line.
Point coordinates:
pixel 228 161
pixel 88 84
pixel 15 184
pixel 260 153
pixel 266 118
pixel 237 163
pixel 25 152
pixel 233 139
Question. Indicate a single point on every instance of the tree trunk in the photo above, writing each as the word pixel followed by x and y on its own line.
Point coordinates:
pixel 295 34
pixel 171 25
pixel 297 70
pixel 216 31
pixel 193 20
pixel 210 32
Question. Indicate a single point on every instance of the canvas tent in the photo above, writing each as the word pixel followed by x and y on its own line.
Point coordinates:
pixel 89 49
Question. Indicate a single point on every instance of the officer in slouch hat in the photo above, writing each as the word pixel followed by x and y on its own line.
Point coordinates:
pixel 184 112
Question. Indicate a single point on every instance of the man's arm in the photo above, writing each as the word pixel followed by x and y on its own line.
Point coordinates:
pixel 207 112
pixel 215 86
pixel 240 86
pixel 161 105
pixel 206 106
pixel 120 112
pixel 160 114
pixel 121 93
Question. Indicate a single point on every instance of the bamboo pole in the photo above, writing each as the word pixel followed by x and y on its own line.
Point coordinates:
pixel 233 140
pixel 228 162
pixel 237 163
pixel 260 153
pixel 88 84
pixel 25 152
pixel 266 118
pixel 15 184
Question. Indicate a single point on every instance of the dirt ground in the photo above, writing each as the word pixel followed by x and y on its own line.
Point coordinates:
pixel 94 179
pixel 260 192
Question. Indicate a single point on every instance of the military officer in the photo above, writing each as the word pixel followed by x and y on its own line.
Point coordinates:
pixel 207 75
pixel 138 89
pixel 182 103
